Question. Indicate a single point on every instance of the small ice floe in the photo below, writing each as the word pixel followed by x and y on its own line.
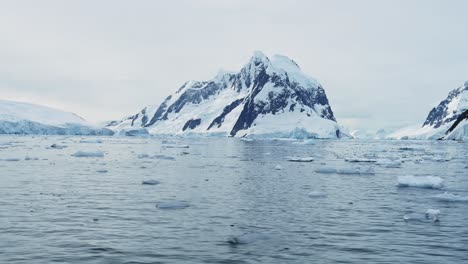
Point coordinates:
pixel 91 141
pixel 102 171
pixel 326 170
pixel 317 194
pixel 247 139
pixel 364 160
pixel 11 159
pixel 31 158
pixel 158 156
pixel 449 197
pixel 56 146
pixel 176 146
pixel 300 159
pixel 248 238
pixel 150 182
pixel 431 215
pixel 278 167
pixel 88 154
pixel 172 205
pixel 431 182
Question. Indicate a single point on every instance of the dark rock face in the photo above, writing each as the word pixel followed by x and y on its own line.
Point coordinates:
pixel 192 123
pixel 439 115
pixel 462 117
pixel 262 88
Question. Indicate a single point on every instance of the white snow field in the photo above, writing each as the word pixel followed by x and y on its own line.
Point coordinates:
pixel 224 200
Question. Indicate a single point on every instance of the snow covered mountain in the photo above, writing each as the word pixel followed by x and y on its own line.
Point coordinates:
pixel 26 118
pixel 269 97
pixel 440 118
pixel 459 129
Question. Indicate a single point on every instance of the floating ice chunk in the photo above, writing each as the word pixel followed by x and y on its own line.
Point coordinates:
pixel 102 171
pixel 317 194
pixel 150 182
pixel 300 159
pixel 11 159
pixel 176 146
pixel 278 167
pixel 356 171
pixel 172 205
pixel 410 149
pixel 247 139
pixel 326 170
pixel 449 197
pixel 361 160
pixel 91 141
pixel 56 146
pixel 248 238
pixel 163 157
pixel 31 158
pixel 88 154
pixel 432 213
pixel 431 182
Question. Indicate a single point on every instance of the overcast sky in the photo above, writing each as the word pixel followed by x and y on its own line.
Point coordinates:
pixel 383 64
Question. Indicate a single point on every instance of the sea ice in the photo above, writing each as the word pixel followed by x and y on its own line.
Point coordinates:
pixel 449 197
pixel 176 146
pixel 88 154
pixel 91 141
pixel 278 167
pixel 56 146
pixel 300 159
pixel 431 182
pixel 11 159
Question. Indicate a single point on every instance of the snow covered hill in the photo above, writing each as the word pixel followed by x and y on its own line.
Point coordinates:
pixel 268 97
pixel 26 118
pixel 440 118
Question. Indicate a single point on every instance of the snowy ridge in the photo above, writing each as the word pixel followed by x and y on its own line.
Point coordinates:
pixel 459 129
pixel 439 119
pixel 266 98
pixel 26 118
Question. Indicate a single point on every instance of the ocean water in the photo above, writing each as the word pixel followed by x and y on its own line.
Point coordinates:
pixel 231 201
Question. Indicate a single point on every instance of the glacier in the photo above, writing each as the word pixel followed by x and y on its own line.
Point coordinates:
pixel 26 118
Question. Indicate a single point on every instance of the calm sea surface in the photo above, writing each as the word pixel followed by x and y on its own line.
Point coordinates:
pixel 230 201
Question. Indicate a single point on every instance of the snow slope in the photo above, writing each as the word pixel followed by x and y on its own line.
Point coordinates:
pixel 268 97
pixel 439 119
pixel 459 129
pixel 26 118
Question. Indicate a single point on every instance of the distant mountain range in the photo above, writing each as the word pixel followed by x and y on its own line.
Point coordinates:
pixel 440 119
pixel 268 97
